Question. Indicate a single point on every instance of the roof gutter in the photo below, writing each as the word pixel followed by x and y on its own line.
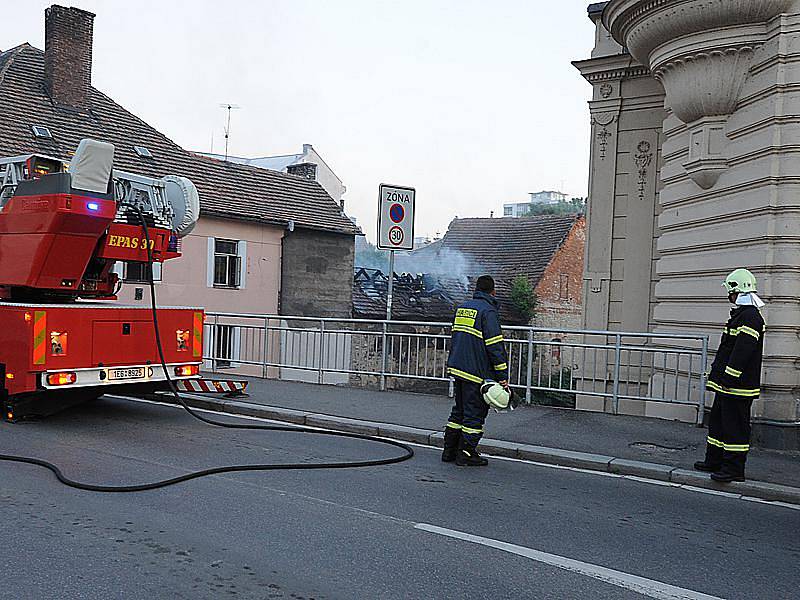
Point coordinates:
pixel 290 224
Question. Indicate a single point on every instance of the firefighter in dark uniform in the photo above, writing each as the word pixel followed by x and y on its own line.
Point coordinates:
pixel 735 378
pixel 477 354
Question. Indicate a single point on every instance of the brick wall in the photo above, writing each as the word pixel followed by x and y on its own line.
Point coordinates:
pixel 317 274
pixel 560 289
pixel 68 55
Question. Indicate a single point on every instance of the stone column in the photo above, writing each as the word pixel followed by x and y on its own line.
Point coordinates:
pixel 730 174
pixel 626 119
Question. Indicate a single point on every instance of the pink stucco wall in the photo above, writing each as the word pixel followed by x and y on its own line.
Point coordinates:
pixel 184 280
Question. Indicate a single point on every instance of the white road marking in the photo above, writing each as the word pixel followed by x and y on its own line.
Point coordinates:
pixel 634 583
pixel 636 478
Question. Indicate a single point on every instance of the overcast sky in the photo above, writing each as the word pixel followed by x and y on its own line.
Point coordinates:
pixel 472 102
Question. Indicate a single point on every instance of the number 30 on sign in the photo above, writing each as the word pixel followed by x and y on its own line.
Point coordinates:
pixel 396 217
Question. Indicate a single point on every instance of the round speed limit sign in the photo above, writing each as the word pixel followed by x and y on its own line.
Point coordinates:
pixel 396 235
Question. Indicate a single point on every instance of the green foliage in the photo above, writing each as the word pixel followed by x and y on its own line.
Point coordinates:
pixel 523 297
pixel 571 207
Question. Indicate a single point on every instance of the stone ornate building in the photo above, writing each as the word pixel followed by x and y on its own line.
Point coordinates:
pixel 694 172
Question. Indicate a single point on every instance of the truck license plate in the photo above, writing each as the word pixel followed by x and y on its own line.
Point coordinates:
pixel 137 373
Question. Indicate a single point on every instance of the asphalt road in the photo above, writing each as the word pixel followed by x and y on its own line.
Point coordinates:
pixel 400 531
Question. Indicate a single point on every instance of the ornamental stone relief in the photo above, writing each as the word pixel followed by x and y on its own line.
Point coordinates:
pixel 643 158
pixel 602 122
pixel 701 51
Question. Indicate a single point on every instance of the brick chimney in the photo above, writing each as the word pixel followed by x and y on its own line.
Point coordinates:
pixel 68 55
pixel 305 170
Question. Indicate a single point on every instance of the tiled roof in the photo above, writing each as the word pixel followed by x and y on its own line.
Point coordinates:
pixel 227 190
pixel 503 248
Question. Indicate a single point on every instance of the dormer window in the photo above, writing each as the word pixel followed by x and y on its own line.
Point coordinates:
pixel 41 132
pixel 142 152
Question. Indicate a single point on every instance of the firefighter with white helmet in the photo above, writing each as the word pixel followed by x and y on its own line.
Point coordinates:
pixel 735 378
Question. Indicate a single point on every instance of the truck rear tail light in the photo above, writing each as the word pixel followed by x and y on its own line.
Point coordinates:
pixel 187 370
pixel 62 378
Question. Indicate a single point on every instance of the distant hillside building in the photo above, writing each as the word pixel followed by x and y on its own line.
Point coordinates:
pixel 521 209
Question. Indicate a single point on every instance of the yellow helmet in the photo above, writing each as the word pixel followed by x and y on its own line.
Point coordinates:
pixel 740 280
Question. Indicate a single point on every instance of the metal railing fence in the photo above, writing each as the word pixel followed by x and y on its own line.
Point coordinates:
pixel 554 366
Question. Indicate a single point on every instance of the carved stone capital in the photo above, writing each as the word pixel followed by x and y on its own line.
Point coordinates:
pixel 701 51
pixel 643 25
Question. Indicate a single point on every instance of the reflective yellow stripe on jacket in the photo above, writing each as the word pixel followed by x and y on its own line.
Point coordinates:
pixel 733 391
pixel 743 329
pixel 495 340
pixel 464 375
pixel 469 330
pixel 733 372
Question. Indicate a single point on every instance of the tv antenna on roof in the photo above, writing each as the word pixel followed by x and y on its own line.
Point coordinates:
pixel 229 107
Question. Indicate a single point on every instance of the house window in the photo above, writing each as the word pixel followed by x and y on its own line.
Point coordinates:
pixel 227 263
pixel 563 287
pixel 508 211
pixel 41 132
pixel 135 272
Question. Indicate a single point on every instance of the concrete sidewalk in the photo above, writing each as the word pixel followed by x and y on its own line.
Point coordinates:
pixel 630 445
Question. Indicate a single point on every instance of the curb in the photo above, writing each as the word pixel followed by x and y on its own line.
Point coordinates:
pixel 771 492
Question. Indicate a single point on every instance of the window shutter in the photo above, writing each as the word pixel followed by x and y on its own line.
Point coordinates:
pixel 210 263
pixel 241 250
pixel 157 271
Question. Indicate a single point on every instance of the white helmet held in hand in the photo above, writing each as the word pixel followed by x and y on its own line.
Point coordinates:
pixel 495 395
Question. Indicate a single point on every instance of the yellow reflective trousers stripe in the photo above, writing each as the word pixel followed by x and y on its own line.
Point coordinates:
pixel 470 430
pixel 728 447
pixel 495 340
pixel 452 425
pixel 464 375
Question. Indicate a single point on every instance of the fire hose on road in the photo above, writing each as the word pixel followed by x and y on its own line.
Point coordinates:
pixel 408 452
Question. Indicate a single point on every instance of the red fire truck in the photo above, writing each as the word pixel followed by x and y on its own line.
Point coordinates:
pixel 63 336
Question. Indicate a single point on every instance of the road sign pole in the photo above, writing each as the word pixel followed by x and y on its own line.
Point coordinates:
pixel 391 286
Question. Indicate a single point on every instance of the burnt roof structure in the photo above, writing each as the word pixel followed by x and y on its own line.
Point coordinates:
pixel 414 297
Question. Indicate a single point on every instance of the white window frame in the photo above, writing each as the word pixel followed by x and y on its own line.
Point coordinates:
pixel 236 261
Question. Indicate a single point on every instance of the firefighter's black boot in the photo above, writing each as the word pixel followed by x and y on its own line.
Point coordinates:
pixel 732 468
pixel 469 457
pixel 452 440
pixel 712 462
pixel 725 476
pixel 707 467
